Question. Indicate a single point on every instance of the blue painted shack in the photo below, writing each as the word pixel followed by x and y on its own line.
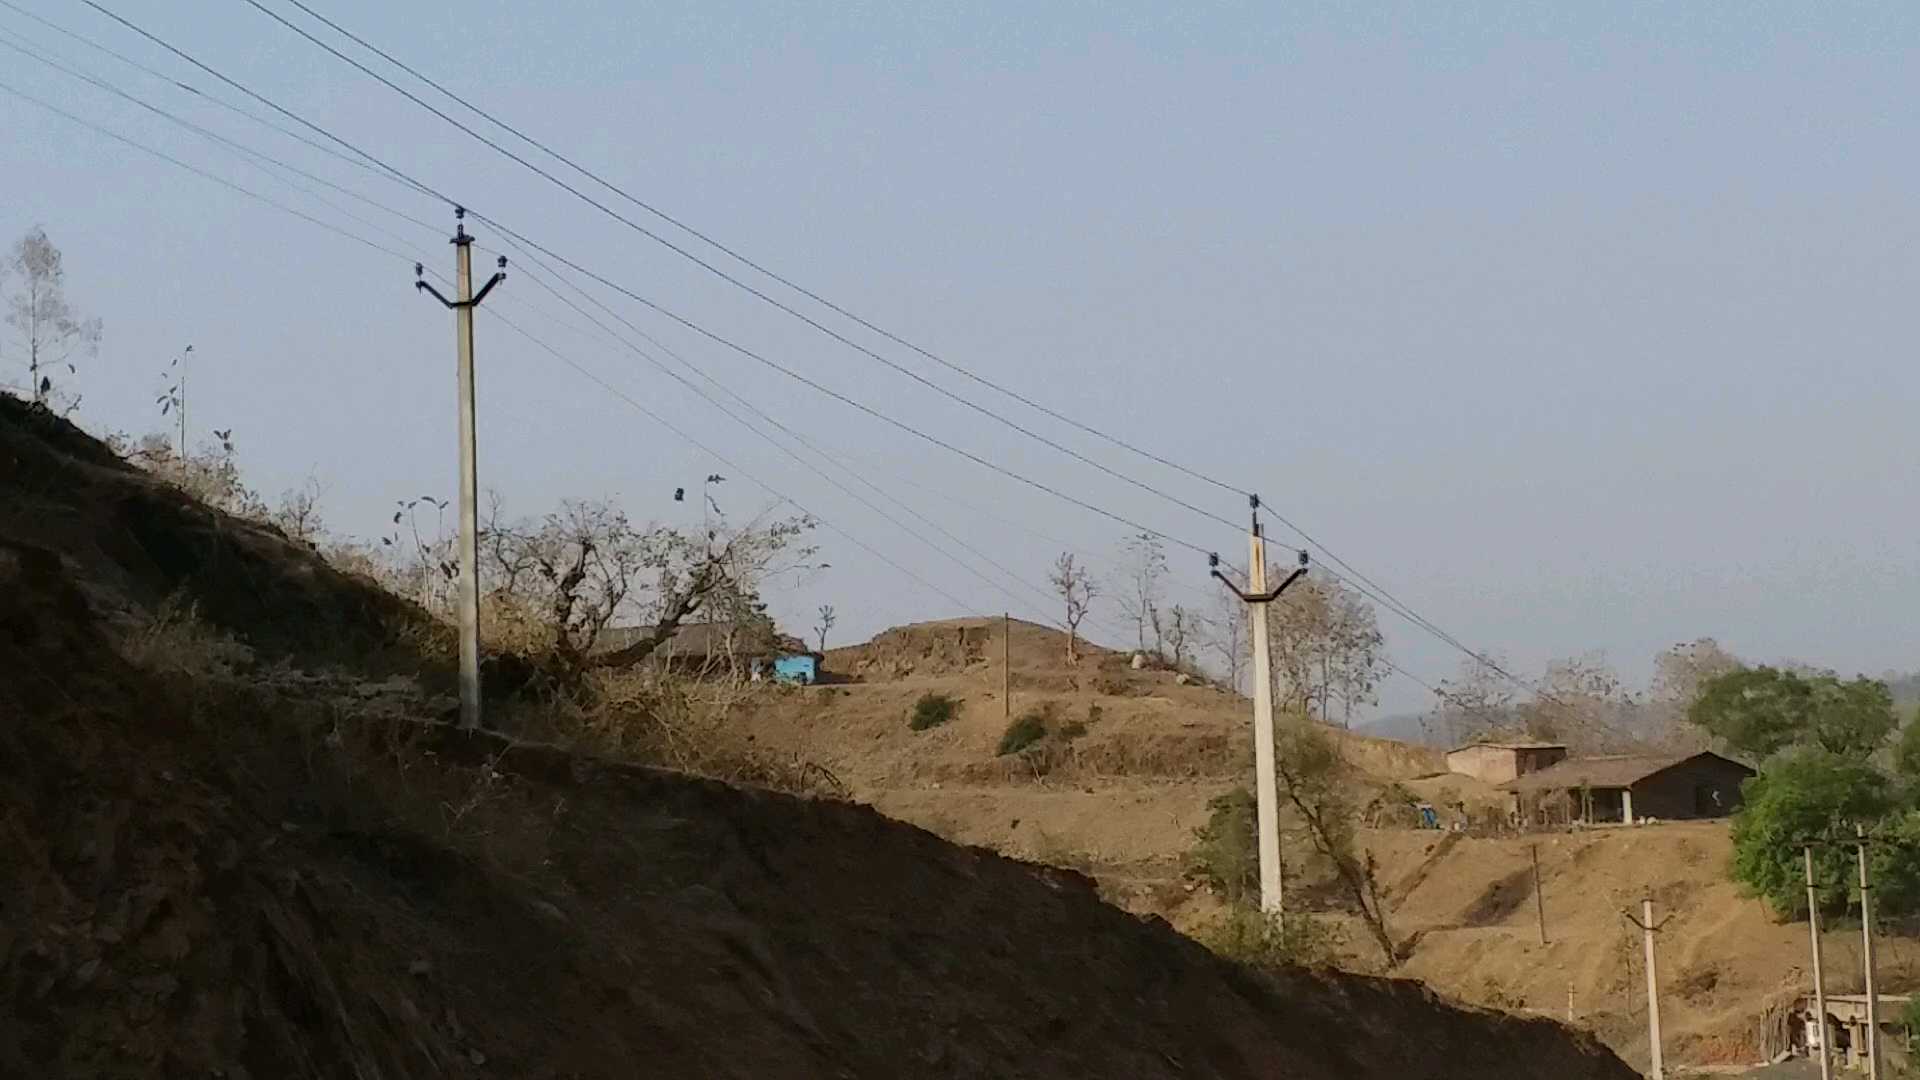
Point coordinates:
pixel 799 668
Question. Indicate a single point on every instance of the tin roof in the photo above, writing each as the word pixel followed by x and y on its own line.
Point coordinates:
pixel 1610 771
pixel 1503 744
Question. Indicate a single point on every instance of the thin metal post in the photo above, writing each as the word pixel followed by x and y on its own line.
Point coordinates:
pixel 1265 786
pixel 1819 983
pixel 1866 957
pixel 1539 905
pixel 185 358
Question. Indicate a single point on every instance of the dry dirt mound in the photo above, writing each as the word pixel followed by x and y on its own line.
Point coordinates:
pixel 238 874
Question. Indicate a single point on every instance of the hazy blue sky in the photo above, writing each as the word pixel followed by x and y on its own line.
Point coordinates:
pixel 1577 326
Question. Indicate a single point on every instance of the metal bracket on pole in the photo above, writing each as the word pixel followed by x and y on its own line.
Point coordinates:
pixel 1268 597
pixel 420 282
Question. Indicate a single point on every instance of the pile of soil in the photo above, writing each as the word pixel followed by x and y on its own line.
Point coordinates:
pixel 231 872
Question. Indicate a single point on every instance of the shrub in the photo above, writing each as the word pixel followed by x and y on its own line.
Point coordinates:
pixel 1073 730
pixel 1261 940
pixel 1225 856
pixel 932 710
pixel 1807 794
pixel 1025 730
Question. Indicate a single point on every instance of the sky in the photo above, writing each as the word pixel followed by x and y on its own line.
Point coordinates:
pixel 1576 327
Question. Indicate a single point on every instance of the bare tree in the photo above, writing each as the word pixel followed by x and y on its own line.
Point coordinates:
pixel 827 620
pixel 1228 638
pixel 1077 589
pixel 46 328
pixel 1145 567
pixel 1327 650
pixel 1679 673
pixel 1582 702
pixel 1181 630
pixel 298 514
pixel 1320 784
pixel 1477 702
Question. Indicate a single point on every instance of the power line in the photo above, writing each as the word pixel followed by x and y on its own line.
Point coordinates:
pixel 255 157
pixel 757 266
pixel 670 373
pixel 423 188
pixel 203 174
pixel 1393 604
pixel 732 279
pixel 6 88
pixel 190 88
pixel 735 466
pixel 1386 598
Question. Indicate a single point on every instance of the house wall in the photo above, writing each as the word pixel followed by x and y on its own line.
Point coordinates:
pixel 1686 791
pixel 800 669
pixel 1489 763
pixel 1536 758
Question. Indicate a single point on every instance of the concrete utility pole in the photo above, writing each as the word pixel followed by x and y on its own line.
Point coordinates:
pixel 463 304
pixel 1266 791
pixel 1653 990
pixel 1819 982
pixel 1648 928
pixel 1866 956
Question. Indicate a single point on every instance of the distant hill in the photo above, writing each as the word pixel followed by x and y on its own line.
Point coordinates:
pixel 1405 727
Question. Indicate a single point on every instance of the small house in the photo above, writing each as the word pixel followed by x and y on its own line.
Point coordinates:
pixel 1499 762
pixel 1630 787
pixel 797 668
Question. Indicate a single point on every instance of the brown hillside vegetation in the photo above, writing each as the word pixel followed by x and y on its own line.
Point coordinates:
pixel 1122 801
pixel 245 857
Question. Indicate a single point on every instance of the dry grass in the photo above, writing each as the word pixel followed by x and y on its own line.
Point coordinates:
pixel 173 640
pixel 652 718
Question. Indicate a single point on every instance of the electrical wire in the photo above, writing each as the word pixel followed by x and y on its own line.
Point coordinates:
pixel 794 435
pixel 757 266
pixel 336 230
pixel 253 156
pixel 202 173
pixel 735 280
pixel 1386 598
pixel 423 188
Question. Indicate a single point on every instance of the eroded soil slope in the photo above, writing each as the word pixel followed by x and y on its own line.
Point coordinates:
pixel 259 869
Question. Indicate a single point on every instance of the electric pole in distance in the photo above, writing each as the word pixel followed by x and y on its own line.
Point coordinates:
pixel 1266 793
pixel 463 304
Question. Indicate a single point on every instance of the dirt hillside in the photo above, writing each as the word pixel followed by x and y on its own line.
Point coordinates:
pixel 247 857
pixel 1121 802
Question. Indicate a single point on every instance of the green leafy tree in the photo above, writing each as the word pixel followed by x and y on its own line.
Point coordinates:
pixel 1226 853
pixel 1810 794
pixel 1758 712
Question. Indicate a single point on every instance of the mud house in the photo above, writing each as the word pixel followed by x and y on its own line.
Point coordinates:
pixel 1631 787
pixel 1499 762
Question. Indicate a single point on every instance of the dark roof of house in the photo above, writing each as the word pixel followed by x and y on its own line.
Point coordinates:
pixel 1611 771
pixel 1501 744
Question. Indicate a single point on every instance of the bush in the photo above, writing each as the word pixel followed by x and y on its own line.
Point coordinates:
pixel 1226 856
pixel 932 710
pixel 1807 794
pixel 1261 940
pixel 1025 730
pixel 1073 731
